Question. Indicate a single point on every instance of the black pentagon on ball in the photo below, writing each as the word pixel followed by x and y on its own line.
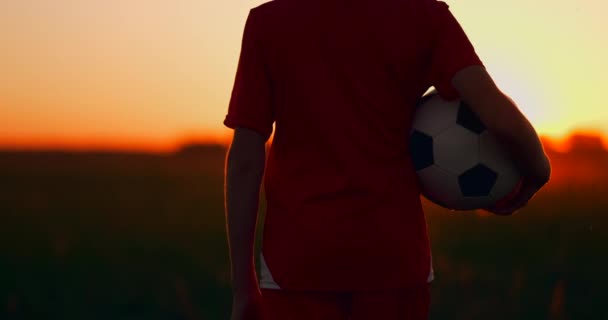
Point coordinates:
pixel 467 119
pixel 477 181
pixel 421 147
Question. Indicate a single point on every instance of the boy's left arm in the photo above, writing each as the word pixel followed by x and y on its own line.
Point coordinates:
pixel 251 115
pixel 244 171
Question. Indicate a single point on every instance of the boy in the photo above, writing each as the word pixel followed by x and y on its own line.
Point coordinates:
pixel 344 235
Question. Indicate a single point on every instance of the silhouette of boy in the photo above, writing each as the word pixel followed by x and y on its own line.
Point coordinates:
pixel 345 235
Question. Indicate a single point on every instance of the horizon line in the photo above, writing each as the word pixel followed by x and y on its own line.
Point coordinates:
pixel 176 145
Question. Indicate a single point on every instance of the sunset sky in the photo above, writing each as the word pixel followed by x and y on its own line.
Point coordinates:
pixel 149 73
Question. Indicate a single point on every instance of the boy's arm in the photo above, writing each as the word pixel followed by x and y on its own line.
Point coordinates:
pixel 456 71
pixel 511 128
pixel 244 171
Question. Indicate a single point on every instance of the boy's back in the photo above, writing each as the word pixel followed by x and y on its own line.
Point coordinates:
pixel 341 79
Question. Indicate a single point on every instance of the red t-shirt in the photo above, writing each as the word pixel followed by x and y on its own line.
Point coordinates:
pixel 340 80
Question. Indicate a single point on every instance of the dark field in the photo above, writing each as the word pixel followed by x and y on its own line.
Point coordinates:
pixel 136 236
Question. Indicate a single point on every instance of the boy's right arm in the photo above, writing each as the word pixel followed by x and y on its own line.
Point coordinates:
pixel 511 128
pixel 455 71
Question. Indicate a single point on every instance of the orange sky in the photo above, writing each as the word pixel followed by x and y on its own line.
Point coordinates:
pixel 148 73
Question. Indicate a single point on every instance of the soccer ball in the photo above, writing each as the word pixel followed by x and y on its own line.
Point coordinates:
pixel 459 164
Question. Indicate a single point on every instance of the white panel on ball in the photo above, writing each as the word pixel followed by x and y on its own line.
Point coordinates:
pixel 456 149
pixel 439 186
pixel 507 181
pixel 435 115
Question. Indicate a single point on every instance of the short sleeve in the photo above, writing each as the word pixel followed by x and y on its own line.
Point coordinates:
pixel 251 100
pixel 451 50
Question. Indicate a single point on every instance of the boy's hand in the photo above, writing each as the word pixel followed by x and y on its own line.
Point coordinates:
pixel 247 305
pixel 518 199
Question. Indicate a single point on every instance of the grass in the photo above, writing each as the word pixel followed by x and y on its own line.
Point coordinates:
pixel 136 236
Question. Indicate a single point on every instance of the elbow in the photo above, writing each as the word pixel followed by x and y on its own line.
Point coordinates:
pixel 244 169
pixel 545 175
pixel 241 163
pixel 247 153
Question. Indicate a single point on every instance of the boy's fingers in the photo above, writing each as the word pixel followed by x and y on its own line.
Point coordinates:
pixel 520 200
pixel 511 209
